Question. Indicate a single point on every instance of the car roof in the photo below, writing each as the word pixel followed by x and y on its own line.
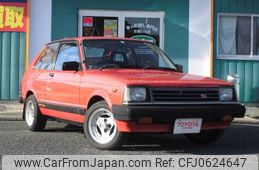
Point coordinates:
pixel 94 38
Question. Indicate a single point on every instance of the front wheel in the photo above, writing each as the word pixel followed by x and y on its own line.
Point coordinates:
pixel 100 127
pixel 205 136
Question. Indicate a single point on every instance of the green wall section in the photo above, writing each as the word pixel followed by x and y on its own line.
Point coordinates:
pixel 65 20
pixel 247 70
pixel 12 63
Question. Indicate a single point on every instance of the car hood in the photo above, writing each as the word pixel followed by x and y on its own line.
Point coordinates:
pixel 160 78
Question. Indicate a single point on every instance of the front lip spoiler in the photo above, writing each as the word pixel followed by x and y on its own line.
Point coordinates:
pixel 133 127
pixel 170 112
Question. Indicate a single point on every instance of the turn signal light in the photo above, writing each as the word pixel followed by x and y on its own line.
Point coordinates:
pixel 227 118
pixel 145 120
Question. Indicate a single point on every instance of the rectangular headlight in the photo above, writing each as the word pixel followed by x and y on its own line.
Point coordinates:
pixel 137 94
pixel 226 94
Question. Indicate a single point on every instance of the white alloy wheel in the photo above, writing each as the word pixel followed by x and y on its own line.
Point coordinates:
pixel 102 126
pixel 29 113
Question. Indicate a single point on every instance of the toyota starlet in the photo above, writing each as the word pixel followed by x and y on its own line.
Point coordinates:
pixel 115 86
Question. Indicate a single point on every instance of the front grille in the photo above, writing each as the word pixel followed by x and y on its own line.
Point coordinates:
pixel 184 94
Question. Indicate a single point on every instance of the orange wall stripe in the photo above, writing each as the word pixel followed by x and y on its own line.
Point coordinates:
pixel 27 35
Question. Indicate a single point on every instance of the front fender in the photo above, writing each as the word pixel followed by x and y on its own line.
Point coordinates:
pixel 103 94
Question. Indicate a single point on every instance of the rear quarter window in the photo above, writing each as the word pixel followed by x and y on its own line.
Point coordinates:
pixel 47 58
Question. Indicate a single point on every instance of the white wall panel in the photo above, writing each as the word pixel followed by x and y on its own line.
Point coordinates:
pixel 40 25
pixel 199 37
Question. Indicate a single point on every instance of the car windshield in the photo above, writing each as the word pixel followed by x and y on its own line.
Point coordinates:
pixel 101 54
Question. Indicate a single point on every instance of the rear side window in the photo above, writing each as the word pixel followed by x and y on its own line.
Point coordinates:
pixel 68 52
pixel 47 58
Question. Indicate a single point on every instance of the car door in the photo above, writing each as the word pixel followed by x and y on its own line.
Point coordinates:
pixel 64 85
pixel 42 69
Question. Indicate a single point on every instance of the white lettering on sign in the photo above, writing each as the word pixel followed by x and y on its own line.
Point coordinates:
pixel 143 28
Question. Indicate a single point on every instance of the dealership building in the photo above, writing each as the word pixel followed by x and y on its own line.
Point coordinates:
pixel 208 37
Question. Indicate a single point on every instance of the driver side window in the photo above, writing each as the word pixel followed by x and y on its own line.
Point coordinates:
pixel 68 52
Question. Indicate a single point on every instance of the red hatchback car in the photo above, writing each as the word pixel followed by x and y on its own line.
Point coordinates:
pixel 115 86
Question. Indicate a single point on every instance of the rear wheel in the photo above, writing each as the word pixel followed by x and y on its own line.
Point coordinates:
pixel 206 136
pixel 33 117
pixel 100 127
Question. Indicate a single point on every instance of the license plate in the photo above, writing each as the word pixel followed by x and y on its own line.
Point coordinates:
pixel 182 126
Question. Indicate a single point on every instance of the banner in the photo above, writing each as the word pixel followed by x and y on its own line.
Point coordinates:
pixel 13 17
pixel 130 162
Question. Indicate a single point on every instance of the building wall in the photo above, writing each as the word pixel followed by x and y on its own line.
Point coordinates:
pixel 12 60
pixel 65 20
pixel 12 63
pixel 247 70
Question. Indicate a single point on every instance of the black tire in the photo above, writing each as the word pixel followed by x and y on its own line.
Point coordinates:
pixel 39 121
pixel 116 141
pixel 206 136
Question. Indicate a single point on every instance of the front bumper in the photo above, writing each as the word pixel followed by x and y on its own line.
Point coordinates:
pixel 171 112
pixel 164 116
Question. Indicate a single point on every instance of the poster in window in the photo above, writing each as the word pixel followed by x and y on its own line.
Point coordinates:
pixel 100 26
pixel 143 28
pixel 110 28
pixel 88 21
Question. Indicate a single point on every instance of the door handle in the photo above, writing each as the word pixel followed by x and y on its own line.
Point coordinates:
pixel 51 74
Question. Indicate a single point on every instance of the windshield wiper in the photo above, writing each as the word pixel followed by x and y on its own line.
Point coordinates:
pixel 108 65
pixel 129 67
pixel 158 68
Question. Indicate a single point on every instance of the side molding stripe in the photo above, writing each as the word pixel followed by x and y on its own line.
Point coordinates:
pixel 69 109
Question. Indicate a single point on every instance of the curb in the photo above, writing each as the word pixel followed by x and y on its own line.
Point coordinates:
pixel 2 107
pixel 246 120
pixel 10 118
pixel 11 115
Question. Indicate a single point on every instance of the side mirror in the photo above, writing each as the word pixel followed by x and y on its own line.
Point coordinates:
pixel 179 68
pixel 70 66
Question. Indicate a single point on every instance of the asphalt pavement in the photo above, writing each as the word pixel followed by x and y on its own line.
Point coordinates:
pixel 58 139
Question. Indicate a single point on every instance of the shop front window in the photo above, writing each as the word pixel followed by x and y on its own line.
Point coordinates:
pixel 144 25
pixel 238 37
pixel 256 36
pixel 100 26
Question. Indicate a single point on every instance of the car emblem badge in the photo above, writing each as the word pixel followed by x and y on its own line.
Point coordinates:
pixel 204 96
